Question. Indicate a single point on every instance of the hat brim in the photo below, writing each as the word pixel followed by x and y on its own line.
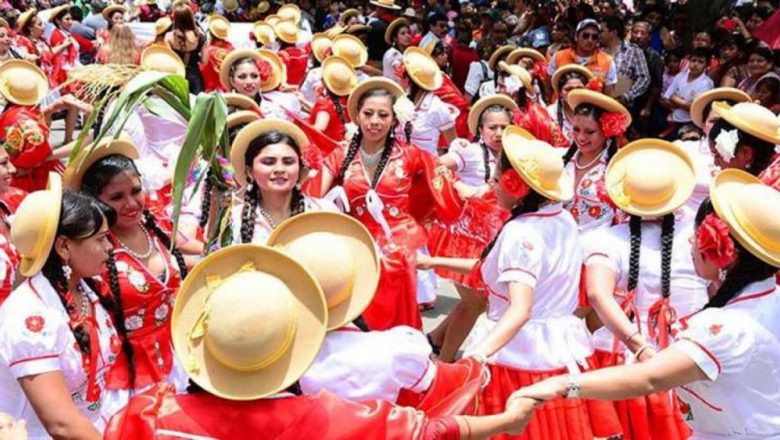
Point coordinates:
pixel 414 55
pixel 285 37
pixel 734 118
pixel 241 102
pixel 524 52
pixel 296 12
pixel 241 117
pixel 327 77
pixel 89 155
pixel 222 34
pixel 675 159
pixel 393 7
pixel 41 83
pixel 56 12
pixel 500 54
pixel 252 131
pixel 230 59
pixel 719 94
pixel 725 188
pixel 396 24
pixel 161 50
pixel 363 249
pixel 600 100
pixel 310 314
pixel 320 46
pixel 570 68
pixel 483 103
pixel 277 66
pixel 25 17
pixel 110 11
pixel 517 145
pixel 370 84
pixel 355 40
pixel 31 266
pixel 520 73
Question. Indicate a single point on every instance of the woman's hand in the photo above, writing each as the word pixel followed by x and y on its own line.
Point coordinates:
pixel 11 429
pixel 520 409
pixel 425 262
pixel 543 391
pixel 646 354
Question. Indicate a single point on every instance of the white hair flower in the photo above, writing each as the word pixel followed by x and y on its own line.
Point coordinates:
pixel 350 129
pixel 512 84
pixel 404 109
pixel 726 144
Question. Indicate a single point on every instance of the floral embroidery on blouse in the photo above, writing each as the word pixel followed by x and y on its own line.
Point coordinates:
pixel 586 207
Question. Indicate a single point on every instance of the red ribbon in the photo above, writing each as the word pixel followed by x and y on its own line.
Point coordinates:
pixel 90 361
pixel 630 310
pixel 660 318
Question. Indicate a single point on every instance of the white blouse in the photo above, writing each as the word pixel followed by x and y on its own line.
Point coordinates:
pixel 470 162
pixel 280 105
pixel 430 118
pixel 263 229
pixel 35 338
pixel 705 168
pixel 391 59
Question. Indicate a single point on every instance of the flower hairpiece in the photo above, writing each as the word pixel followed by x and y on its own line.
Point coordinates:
pixel 404 109
pixel 613 124
pixel 264 69
pixel 596 84
pixel 512 184
pixel 714 241
pixel 726 144
pixel 312 158
pixel 539 69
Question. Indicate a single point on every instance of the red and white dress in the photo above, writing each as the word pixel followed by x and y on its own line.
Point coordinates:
pixel 542 251
pixel 66 60
pixel 214 53
pixel 325 103
pixel 653 416
pixel 36 338
pixel 589 210
pixel 147 302
pixel 431 117
pixel 25 136
pixel 9 255
pixel 738 349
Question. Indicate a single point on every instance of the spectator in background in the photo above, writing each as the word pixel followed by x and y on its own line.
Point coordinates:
pixel 95 18
pixel 767 93
pixel 463 55
pixel 479 70
pixel 660 40
pixel 437 29
pixel 687 85
pixel 672 60
pixel 650 115
pixel 561 37
pixel 85 35
pixel 186 39
pixel 732 60
pixel 586 53
pixel 629 61
pixel 760 65
pixel 386 12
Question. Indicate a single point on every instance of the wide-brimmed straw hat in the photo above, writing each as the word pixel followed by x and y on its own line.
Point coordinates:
pixel 351 48
pixel 750 210
pixel 89 155
pixel 109 11
pixel 162 25
pixel 752 118
pixel 23 83
pixel 600 100
pixel 290 12
pixel 500 54
pixel 720 94
pixel 263 7
pixel 538 164
pixel 231 58
pixel 251 132
pixel 54 13
pixel 321 45
pixel 264 33
pixel 483 103
pixel 35 226
pixel 287 31
pixel 241 102
pixel 161 58
pixel 273 19
pixel 371 84
pixel 524 52
pixel 650 177
pixel 335 31
pixel 219 27
pixel 278 70
pixel 338 75
pixel 561 71
pixel 248 321
pixel 230 5
pixel 387 4
pixel 392 27
pixel 339 251
pixel 349 13
pixel 520 73
pixel 241 117
pixel 422 69
pixel 25 17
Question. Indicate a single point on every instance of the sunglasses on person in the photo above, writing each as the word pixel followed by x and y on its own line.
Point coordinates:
pixel 589 36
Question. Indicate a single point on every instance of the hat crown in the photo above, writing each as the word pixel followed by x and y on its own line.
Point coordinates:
pixel 757 115
pixel 329 258
pixel 29 221
pixel 649 183
pixel 550 168
pixel 22 84
pixel 756 211
pixel 251 321
pixel 341 75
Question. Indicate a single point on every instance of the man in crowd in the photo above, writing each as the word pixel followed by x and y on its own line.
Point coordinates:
pixel 645 105
pixel 632 72
pixel 586 53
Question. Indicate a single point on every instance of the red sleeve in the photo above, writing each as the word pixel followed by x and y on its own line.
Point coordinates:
pixel 56 38
pixel 333 162
pixel 432 189
pixel 445 428
pixel 139 418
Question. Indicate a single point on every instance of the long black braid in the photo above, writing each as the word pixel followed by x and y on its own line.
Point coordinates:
pixel 635 227
pixel 205 204
pixel 118 314
pixel 667 242
pixel 249 214
pixel 485 158
pixel 352 150
pixel 561 83
pixel 151 224
pixel 339 108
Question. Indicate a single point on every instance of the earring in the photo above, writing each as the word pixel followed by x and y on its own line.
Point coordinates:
pixel 249 186
pixel 67 271
pixel 722 275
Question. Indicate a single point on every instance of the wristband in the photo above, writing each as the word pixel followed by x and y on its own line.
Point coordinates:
pixel 572 387
pixel 641 350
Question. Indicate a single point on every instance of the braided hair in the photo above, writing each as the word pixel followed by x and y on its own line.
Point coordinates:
pixel 82 216
pixel 566 77
pixel 496 108
pixel 205 204
pixel 747 268
pixel 762 150
pixel 253 196
pixel 594 113
pixel 667 241
pixel 339 108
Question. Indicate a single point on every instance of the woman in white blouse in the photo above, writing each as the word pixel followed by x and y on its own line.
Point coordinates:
pixel 399 36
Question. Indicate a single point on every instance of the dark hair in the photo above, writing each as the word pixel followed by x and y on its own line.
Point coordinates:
pixel 594 113
pixel 674 53
pixel 762 150
pixel 495 108
pixel 667 241
pixel 763 51
pixel 95 179
pixel 81 216
pixel 747 268
pixel 701 53
pixel 566 77
pixel 615 24
pixel 75 13
pixel 57 19
pixel 438 49
pixel 435 18
pixel 253 196
pixel 771 83
pixel 238 62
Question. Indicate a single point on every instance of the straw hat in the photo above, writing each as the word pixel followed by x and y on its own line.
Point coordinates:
pixel 351 48
pixel 231 58
pixel 219 27
pixel 393 27
pixel 650 177
pixel 24 17
pixel 600 100
pixel 752 118
pixel 524 52
pixel 335 31
pixel 54 13
pixel 377 82
pixel 538 163
pixel 287 31
pixel 23 83
pixel 341 255
pixel 500 53
pixel 483 103
pixel 750 209
pixel 241 117
pixel 109 11
pixel 349 13
pixel 320 46
pixel 161 58
pixel 251 132
pixel 239 101
pixel 89 155
pixel 720 94
pixel 520 73
pixel 290 12
pixel 561 71
pixel 230 5
pixel 4 23
pixel 338 75
pixel 248 321
pixel 35 226
pixel 162 25
pixel 273 19
pixel 387 4
pixel 263 7
pixel 264 33
pixel 422 69
pixel 278 70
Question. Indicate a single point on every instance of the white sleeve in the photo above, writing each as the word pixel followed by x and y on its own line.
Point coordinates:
pixel 474 78
pixel 601 247
pixel 309 85
pixel 32 341
pixel 412 365
pixel 611 77
pixel 719 341
pixel 551 67
pixel 672 87
pixel 235 221
pixel 519 255
pixel 467 157
pixel 443 115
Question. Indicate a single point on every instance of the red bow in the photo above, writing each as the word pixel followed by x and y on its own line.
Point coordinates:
pixel 714 241
pixel 660 318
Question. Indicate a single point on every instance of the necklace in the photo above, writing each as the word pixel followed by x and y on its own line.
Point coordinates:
pixel 587 165
pixel 370 160
pixel 266 216
pixel 85 309
pixel 149 246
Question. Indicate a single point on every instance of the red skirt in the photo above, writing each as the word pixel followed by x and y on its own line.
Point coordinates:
pixel 480 222
pixel 653 417
pixel 557 419
pixel 395 300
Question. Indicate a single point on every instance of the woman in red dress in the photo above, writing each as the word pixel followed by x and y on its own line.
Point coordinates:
pixel 65 49
pixel 9 199
pixel 450 94
pixel 295 58
pixel 30 41
pixel 214 52
pixel 114 15
pixel 382 176
pixel 329 113
pixel 142 272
